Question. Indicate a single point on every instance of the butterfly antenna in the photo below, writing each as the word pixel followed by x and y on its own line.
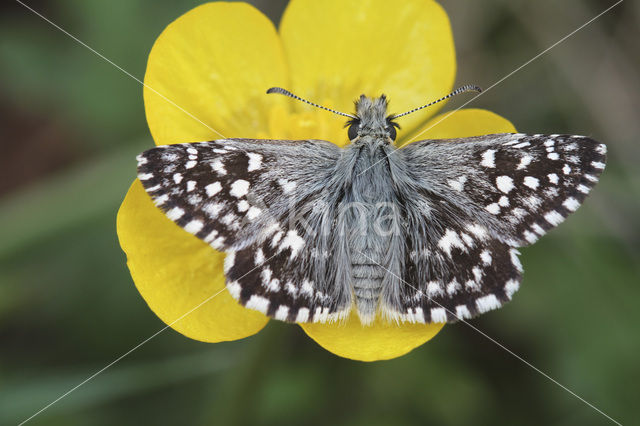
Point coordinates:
pixel 466 88
pixel 285 92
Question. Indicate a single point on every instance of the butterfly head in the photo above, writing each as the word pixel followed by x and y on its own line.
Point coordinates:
pixel 371 119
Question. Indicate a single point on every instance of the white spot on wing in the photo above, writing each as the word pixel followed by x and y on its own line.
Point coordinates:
pixel 477 273
pixel 255 161
pixel 292 241
pixel 553 156
pixel 259 259
pixel 217 243
pixel 175 213
pixel 282 313
pixel 597 164
pixel 258 303
pixel 511 287
pixel 553 178
pixel 194 226
pixel 538 229
pixel 438 315
pixel 161 200
pixel 239 188
pixel 190 164
pixel 525 161
pixel 531 182
pixel 477 230
pixel 504 184
pixel 457 184
pixel 212 209
pixel 554 218
pixel 234 289
pixel 287 186
pixel 486 257
pixel 522 144
pixel 321 314
pixel 434 289
pixel 488 158
pixel 532 201
pixel 218 167
pixel 493 208
pixel 530 236
pixel 487 303
pixel 212 235
pixel 453 287
pixel 213 188
pixel 582 188
pixel 145 176
pixel 306 288
pixel 253 213
pixel 191 185
pixel 229 260
pixel 462 312
pixel 449 240
pixel 303 315
pixel 571 204
pixel 514 259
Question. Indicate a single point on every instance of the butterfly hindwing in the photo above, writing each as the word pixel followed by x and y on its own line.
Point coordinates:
pixel 470 203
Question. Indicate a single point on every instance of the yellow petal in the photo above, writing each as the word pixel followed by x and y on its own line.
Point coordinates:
pixel 338 50
pixel 208 72
pixel 377 342
pixel 385 341
pixel 463 123
pixel 177 274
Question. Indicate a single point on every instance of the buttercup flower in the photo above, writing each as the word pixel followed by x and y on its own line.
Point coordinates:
pixel 214 64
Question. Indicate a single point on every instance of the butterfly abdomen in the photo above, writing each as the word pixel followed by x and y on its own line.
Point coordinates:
pixel 366 281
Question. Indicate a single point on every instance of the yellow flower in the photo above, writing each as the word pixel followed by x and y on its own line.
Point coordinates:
pixel 214 64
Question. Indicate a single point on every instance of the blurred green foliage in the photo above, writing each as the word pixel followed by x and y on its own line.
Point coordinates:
pixel 70 126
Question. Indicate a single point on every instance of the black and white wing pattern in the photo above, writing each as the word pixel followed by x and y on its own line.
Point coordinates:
pixel 237 195
pixel 470 203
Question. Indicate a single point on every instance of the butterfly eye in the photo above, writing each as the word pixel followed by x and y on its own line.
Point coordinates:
pixel 353 130
pixel 392 131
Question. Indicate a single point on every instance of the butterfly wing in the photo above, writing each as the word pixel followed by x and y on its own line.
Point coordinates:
pixel 249 198
pixel 470 202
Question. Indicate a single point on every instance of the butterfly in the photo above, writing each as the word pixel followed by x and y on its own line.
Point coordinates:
pixel 426 233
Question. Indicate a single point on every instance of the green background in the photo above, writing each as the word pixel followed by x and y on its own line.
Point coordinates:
pixel 70 126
